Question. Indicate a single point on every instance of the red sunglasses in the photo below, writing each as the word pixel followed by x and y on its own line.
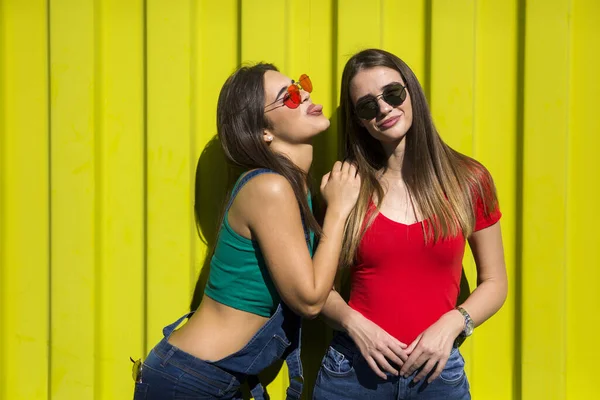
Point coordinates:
pixel 292 98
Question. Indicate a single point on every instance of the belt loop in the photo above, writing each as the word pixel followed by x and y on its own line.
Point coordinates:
pixel 169 354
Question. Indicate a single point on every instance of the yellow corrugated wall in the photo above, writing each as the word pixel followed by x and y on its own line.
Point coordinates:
pixel 106 105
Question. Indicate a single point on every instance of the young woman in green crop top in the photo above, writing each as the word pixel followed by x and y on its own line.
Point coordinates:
pixel 266 124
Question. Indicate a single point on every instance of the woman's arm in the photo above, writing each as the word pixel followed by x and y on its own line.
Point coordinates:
pixel 492 282
pixel 434 344
pixel 273 217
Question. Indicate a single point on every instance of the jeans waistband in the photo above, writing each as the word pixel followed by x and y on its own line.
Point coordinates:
pixel 181 359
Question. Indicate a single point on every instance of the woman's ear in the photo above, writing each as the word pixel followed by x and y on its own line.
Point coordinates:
pixel 267 136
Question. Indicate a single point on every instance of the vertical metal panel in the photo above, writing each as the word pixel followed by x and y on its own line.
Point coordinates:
pixel 24 213
pixel 545 202
pixel 120 128
pixel 74 198
pixel 583 189
pixel 169 181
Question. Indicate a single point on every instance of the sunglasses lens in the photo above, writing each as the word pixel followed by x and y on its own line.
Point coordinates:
pixel 306 83
pixel 395 95
pixel 293 98
pixel 367 109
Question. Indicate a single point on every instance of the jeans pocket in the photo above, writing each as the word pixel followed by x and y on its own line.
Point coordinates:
pixel 454 371
pixel 152 374
pixel 205 381
pixel 198 386
pixel 336 364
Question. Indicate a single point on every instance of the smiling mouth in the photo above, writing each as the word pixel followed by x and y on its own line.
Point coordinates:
pixel 389 123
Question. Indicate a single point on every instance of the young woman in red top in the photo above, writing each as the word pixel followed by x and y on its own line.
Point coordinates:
pixel 420 201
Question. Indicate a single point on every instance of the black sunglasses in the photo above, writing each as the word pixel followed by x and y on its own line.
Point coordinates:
pixel 367 107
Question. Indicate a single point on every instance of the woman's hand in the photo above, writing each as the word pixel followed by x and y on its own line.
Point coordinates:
pixel 377 346
pixel 341 187
pixel 432 348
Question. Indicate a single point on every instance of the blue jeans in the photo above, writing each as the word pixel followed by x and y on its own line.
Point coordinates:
pixel 345 374
pixel 170 373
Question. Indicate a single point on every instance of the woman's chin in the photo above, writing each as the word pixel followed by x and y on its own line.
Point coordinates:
pixel 324 124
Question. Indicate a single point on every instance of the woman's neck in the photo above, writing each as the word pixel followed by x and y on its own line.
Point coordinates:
pixel 300 154
pixel 395 157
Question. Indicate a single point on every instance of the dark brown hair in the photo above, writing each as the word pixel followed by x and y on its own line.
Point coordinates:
pixel 241 123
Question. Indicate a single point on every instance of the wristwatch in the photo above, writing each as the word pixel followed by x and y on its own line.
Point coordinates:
pixel 467 330
pixel 469 324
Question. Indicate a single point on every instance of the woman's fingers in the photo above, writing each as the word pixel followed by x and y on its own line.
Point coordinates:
pixel 324 180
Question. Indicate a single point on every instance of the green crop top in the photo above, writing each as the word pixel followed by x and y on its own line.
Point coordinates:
pixel 238 275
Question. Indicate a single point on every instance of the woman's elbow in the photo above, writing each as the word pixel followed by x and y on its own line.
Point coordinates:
pixel 308 310
pixel 504 291
pixel 501 291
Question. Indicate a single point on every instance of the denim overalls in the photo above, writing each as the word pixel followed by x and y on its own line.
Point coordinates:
pixel 170 373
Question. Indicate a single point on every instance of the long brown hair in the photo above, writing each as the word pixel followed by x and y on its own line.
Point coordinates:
pixel 442 181
pixel 241 123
